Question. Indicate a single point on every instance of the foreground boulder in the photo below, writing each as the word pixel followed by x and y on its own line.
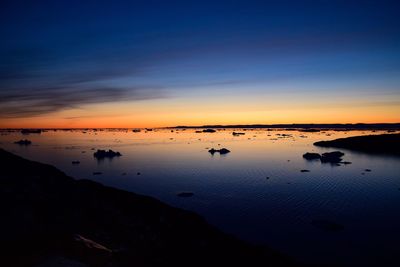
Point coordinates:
pixel 43 209
pixel 101 154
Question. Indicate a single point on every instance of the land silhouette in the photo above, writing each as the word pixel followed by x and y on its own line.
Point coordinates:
pixel 382 144
pixel 50 219
pixel 305 126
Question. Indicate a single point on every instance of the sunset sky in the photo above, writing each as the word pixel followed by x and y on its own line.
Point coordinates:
pixel 167 63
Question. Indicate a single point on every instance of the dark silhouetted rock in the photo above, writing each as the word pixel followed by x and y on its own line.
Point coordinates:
pixel 304 170
pixel 213 151
pixel 209 131
pixel 367 170
pixel 332 157
pixel 185 194
pixel 221 151
pixel 75 162
pixel 100 154
pixel 237 134
pixel 224 151
pixel 311 156
pixel 23 142
pixel 327 225
pixel 382 144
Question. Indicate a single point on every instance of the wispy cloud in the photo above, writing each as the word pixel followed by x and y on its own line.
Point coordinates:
pixel 33 103
pixel 31 84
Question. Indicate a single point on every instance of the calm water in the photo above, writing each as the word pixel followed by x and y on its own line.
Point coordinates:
pixel 232 191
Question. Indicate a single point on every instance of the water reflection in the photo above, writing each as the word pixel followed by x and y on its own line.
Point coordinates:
pixel 257 191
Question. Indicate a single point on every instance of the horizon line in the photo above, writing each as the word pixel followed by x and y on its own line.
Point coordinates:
pixel 278 125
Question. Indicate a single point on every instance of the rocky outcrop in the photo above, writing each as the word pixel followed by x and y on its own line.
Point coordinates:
pixel 382 144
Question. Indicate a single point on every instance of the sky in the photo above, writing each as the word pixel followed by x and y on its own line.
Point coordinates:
pixel 165 63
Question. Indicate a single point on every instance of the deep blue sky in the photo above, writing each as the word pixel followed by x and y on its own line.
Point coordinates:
pixel 58 55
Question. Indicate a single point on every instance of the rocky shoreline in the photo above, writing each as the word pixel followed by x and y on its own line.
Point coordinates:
pixel 379 144
pixel 50 219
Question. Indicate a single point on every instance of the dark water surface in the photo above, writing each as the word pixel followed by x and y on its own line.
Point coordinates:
pixel 232 191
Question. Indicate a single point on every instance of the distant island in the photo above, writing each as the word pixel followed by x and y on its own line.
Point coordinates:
pixel 334 126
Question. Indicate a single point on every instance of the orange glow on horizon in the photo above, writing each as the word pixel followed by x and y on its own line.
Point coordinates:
pixel 126 116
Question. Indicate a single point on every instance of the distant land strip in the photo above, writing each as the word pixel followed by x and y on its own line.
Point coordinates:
pixel 294 126
pixel 347 126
